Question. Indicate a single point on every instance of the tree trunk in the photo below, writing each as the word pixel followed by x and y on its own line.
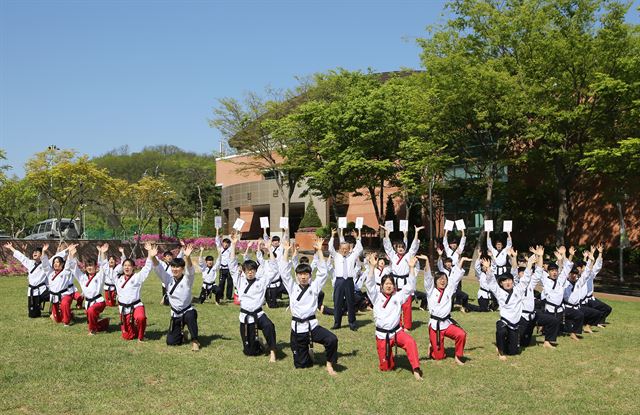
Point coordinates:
pixel 488 199
pixel 381 218
pixel 201 207
pixel 623 239
pixel 563 214
pixel 376 210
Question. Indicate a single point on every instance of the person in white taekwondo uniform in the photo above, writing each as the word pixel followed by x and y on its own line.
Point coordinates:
pixel 399 260
pixel 251 281
pixel 179 283
pixel 589 299
pixel 440 291
pixel 388 302
pixel 111 269
pixel 225 282
pixel 553 284
pixel 133 320
pixel 60 278
pixel 37 293
pixel 209 268
pixel 303 295
pixel 576 290
pixel 275 289
pixel 91 283
pixel 167 257
pixel 499 253
pixel 510 298
pixel 344 268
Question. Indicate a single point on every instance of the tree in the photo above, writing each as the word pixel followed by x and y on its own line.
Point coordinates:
pixel 310 218
pixel 18 202
pixel 249 127
pixel 211 210
pixel 150 197
pixel 619 168
pixel 67 181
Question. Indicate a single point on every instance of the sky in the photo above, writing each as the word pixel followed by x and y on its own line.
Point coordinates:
pixel 95 75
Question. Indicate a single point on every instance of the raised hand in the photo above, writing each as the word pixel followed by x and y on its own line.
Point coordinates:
pixel 412 262
pixel 418 228
pixel 152 250
pixel 334 231
pixel 572 251
pixel 512 252
pixel 201 250
pixel 373 259
pixel 147 246
pixel 121 249
pixel 286 245
pixel 72 251
pixel 592 250
pixel 44 248
pixel 9 246
pixel 188 250
pixel 562 250
pixel 539 251
pixel 234 237
pixel 439 251
pixel 486 263
pixel 318 244
pixel 600 248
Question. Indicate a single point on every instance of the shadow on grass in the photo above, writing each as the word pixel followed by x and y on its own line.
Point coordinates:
pixel 207 340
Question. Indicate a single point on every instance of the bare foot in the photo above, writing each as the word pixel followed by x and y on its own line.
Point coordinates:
pixel 322 308
pixel 458 361
pixel 548 345
pixel 463 310
pixel 601 326
pixel 502 357
pixel 272 356
pixel 587 329
pixel 92 333
pixel 417 373
pixel 52 317
pixel 330 369
pixel 195 346
pixel 140 341
pixel 574 337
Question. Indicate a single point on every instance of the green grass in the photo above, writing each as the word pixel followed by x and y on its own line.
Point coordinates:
pixel 47 368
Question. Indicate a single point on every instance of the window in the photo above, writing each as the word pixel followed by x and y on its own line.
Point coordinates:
pixel 275 193
pixel 248 195
pixel 47 226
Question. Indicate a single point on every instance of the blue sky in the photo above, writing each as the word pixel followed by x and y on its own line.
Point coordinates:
pixel 95 75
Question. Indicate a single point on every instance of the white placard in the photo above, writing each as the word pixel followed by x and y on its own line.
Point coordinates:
pixel 359 222
pixel 238 224
pixel 448 225
pixel 507 226
pixel 404 226
pixel 342 222
pixel 284 222
pixel 389 225
pixel 488 225
pixel 460 225
pixel 264 222
pixel 218 222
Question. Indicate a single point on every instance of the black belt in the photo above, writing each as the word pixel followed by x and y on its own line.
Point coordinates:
pixel 249 340
pixel 110 286
pixel 126 306
pixel 574 306
pixel 32 297
pixel 57 296
pixel 509 324
pixel 387 339
pixel 586 299
pixel 528 312
pixel 181 311
pixel 90 301
pixel 279 280
pixel 556 307
pixel 487 291
pixel 439 320
pixel 305 320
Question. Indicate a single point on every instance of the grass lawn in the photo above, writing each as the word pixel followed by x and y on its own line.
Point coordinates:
pixel 47 368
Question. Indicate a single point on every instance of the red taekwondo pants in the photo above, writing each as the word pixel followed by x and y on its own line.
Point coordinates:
pixel 453 332
pixel 132 329
pixel 406 342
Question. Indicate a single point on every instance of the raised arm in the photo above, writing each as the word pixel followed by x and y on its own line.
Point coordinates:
pixel 428 277
pixel 445 243
pixel 189 271
pixel 487 277
pixel 358 249
pixel 415 245
pixel 332 249
pixel 463 241
pixel 509 241
pixel 26 262
pixel 284 266
pixel 322 273
pixel 234 269
pixel 409 288
pixel 370 282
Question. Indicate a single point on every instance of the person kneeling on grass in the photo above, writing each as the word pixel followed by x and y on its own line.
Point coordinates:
pixel 179 285
pixel 441 325
pixel 303 303
pixel 510 299
pixel 59 279
pixel 387 311
pixel 209 268
pixel 133 320
pixel 91 282
pixel 252 282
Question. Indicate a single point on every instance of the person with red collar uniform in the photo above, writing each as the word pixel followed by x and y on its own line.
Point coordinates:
pixel 60 277
pixel 91 283
pixel 133 320
pixel 111 268
pixel 388 303
pixel 399 260
pixel 37 293
pixel 440 291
